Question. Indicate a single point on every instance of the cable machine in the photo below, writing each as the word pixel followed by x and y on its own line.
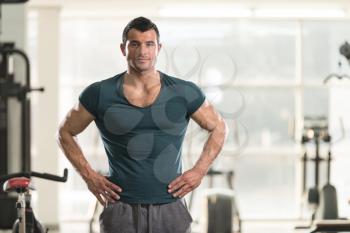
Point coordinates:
pixel 12 89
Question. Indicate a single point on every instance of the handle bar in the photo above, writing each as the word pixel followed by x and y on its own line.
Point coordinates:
pixel 212 172
pixel 45 176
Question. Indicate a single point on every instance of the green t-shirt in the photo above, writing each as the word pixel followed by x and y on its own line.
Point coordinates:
pixel 143 144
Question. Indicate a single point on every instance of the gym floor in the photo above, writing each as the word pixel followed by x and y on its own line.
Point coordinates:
pixel 258 227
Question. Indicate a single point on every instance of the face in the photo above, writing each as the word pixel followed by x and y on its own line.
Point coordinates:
pixel 141 50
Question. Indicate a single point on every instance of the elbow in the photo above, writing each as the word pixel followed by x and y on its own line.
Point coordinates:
pixel 59 135
pixel 62 135
pixel 225 129
pixel 221 130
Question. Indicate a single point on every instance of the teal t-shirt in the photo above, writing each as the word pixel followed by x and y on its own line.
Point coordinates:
pixel 143 144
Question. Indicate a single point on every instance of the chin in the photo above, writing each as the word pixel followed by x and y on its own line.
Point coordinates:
pixel 145 69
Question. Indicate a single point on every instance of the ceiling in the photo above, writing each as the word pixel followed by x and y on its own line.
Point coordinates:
pixel 103 4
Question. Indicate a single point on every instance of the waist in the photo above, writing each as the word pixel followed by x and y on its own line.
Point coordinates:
pixel 146 191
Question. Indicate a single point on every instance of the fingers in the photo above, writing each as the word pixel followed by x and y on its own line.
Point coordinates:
pixel 176 186
pixel 175 182
pixel 185 183
pixel 113 186
pixel 110 193
pixel 104 190
pixel 110 197
pixel 182 191
pixel 180 186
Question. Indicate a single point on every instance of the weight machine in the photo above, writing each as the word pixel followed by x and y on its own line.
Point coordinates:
pixel 12 89
pixel 325 215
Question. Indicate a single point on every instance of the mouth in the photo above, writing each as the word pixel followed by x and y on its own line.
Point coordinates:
pixel 142 61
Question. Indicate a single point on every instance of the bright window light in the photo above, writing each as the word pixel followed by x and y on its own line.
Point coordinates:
pixel 300 13
pixel 204 12
pixel 222 11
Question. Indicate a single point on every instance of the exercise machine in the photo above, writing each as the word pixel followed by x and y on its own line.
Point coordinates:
pixel 221 214
pixel 331 226
pixel 12 89
pixel 21 183
pixel 322 200
pixel 334 225
pixel 325 207
pixel 345 51
pixel 9 88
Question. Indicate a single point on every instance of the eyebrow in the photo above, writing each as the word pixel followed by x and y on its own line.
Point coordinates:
pixel 136 41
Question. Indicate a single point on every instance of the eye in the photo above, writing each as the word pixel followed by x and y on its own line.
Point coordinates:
pixel 133 44
pixel 150 44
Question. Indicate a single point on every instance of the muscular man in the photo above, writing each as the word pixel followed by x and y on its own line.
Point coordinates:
pixel 142 115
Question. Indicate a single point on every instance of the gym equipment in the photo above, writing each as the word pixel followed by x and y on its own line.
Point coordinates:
pixel 324 203
pixel 331 226
pixel 345 51
pixel 325 215
pixel 335 75
pixel 9 88
pixel 21 183
pixel 221 212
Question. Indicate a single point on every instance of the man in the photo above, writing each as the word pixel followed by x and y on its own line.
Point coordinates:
pixel 142 115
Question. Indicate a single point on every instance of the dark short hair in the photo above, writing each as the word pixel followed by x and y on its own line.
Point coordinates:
pixel 141 24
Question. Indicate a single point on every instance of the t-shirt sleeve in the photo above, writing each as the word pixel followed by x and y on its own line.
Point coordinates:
pixel 89 98
pixel 195 98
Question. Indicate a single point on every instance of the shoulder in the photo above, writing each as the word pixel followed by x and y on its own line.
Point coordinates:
pixel 104 82
pixel 112 79
pixel 192 93
pixel 173 81
pixel 93 90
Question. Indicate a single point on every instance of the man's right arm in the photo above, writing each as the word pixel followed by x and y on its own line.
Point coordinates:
pixel 77 119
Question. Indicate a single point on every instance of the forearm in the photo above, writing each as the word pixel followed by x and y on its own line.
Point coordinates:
pixel 73 152
pixel 212 147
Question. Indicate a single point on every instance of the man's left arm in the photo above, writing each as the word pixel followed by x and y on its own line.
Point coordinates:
pixel 207 118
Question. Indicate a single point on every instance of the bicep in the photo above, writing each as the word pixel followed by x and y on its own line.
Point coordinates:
pixel 77 119
pixel 207 117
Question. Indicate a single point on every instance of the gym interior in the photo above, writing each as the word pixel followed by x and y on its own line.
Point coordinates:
pixel 278 71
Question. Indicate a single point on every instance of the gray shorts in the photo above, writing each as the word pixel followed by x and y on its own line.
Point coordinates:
pixel 121 217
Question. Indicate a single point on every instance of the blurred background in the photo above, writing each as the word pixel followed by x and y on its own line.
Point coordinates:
pixel 263 64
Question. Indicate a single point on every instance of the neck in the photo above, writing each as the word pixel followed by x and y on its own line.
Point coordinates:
pixel 144 79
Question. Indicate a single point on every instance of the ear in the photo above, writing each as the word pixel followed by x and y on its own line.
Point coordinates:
pixel 122 48
pixel 159 47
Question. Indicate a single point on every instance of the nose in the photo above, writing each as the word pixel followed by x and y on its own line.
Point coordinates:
pixel 142 49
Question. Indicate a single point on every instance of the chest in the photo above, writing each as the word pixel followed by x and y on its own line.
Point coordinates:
pixel 141 97
pixel 164 116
